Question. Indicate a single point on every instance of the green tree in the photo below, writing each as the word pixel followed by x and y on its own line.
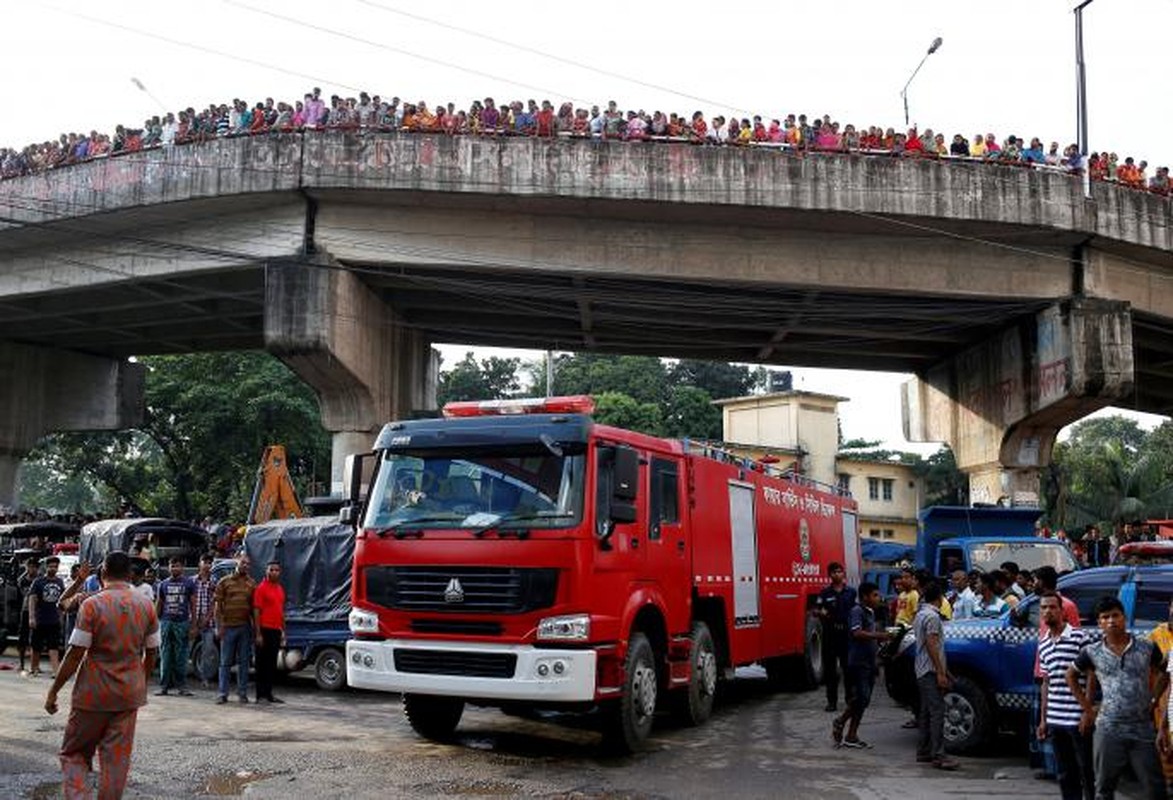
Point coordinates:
pixel 1110 472
pixel 643 378
pixel 624 411
pixel 209 416
pixel 945 484
pixel 691 414
pixel 490 378
pixel 717 378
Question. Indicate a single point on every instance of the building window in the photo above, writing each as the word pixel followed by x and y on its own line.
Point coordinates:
pixel 873 488
pixel 888 533
pixel 874 533
pixel 888 482
pixel 844 483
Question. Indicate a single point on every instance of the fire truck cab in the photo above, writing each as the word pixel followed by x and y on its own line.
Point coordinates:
pixel 518 554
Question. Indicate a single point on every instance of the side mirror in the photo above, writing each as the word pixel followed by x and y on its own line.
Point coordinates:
pixel 348 515
pixel 356 477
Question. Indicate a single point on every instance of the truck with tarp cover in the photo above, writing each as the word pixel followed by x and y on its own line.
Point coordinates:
pixel 316 555
pixel 136 536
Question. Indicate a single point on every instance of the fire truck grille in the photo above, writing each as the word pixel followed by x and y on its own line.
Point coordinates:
pixel 457 626
pixel 447 662
pixel 489 590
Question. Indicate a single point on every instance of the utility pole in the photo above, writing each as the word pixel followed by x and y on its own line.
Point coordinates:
pixel 1081 98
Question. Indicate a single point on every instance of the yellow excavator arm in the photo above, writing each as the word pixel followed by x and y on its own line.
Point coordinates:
pixel 273 496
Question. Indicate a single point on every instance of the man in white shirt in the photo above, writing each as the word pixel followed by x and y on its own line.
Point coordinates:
pixel 961 597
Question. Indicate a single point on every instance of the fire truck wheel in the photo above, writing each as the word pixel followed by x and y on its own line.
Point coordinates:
pixel 694 705
pixel 797 673
pixel 433 717
pixel 628 720
pixel 330 669
pixel 812 657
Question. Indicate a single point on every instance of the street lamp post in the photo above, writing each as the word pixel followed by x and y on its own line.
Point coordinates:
pixel 142 88
pixel 1081 98
pixel 934 47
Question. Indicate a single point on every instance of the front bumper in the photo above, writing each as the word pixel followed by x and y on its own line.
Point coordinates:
pixel 435 667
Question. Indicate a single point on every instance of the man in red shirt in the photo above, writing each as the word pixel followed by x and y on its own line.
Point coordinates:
pixel 269 623
pixel 112 649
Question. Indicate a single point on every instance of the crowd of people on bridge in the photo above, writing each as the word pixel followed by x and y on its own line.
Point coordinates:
pixel 370 113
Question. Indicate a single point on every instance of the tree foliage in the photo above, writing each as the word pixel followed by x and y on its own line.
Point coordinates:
pixel 1111 472
pixel 490 378
pixel 209 416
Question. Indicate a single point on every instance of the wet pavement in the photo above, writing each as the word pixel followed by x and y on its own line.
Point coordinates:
pixel 358 745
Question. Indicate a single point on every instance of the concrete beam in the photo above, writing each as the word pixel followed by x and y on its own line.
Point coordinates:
pixel 46 390
pixel 1001 403
pixel 346 343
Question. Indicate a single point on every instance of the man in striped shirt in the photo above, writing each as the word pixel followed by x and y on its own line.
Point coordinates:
pixel 1059 644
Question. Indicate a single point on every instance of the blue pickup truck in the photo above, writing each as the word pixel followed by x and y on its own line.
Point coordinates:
pixel 993 659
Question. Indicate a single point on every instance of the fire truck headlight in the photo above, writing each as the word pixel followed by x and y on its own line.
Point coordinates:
pixel 575 627
pixel 363 621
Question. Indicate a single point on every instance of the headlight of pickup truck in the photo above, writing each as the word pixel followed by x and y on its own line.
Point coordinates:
pixel 363 621
pixel 572 628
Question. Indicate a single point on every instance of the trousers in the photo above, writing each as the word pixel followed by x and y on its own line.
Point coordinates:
pixel 111 735
pixel 236 648
pixel 173 661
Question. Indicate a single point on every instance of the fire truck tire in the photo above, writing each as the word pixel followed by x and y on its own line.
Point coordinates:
pixel 797 673
pixel 433 717
pixel 627 722
pixel 330 669
pixel 812 656
pixel 694 705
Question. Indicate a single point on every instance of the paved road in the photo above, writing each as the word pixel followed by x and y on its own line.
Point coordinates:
pixel 357 745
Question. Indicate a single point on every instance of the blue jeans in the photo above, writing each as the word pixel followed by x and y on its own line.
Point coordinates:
pixel 173 666
pixel 236 647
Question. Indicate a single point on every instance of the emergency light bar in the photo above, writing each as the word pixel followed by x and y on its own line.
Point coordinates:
pixel 574 404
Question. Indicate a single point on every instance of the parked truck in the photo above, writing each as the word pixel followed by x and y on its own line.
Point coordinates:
pixel 316 555
pixel 964 537
pixel 518 554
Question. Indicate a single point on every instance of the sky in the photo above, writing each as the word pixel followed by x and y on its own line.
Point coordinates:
pixel 68 65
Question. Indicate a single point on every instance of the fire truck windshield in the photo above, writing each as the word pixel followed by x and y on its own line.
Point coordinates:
pixel 531 488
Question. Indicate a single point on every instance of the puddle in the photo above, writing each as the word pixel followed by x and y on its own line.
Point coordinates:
pixel 46 791
pixel 478 788
pixel 229 784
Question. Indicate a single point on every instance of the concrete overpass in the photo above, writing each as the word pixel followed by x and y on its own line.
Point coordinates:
pixel 1020 304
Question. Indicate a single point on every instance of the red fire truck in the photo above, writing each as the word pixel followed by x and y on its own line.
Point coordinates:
pixel 517 554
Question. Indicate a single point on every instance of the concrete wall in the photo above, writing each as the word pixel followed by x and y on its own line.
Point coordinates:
pixel 593 170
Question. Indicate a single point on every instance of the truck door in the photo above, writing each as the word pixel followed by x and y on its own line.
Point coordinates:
pixel 667 551
pixel 743 527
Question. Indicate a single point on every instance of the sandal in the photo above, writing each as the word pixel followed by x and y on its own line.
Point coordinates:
pixel 912 723
pixel 856 744
pixel 837 731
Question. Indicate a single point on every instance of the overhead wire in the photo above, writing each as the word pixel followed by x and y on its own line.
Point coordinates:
pixel 547 55
pixel 193 46
pixel 383 46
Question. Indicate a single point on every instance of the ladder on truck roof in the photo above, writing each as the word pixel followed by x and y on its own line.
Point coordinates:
pixel 720 451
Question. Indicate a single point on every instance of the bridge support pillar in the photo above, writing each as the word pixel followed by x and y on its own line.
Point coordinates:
pixel 1000 404
pixel 43 390
pixel 346 343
